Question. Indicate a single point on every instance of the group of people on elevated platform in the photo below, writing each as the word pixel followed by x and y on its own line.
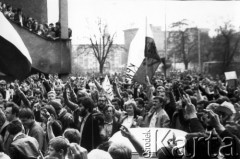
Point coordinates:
pixel 44 30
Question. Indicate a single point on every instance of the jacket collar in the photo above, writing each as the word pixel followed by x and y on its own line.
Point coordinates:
pixel 18 136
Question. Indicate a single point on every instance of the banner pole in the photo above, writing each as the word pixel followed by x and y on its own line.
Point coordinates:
pixel 146 58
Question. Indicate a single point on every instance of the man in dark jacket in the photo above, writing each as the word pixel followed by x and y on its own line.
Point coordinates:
pixel 89 128
pixel 23 146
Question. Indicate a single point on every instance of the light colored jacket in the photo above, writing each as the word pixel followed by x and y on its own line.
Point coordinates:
pixel 162 120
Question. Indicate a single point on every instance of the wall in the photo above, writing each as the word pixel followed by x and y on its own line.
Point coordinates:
pixel 48 56
pixel 37 9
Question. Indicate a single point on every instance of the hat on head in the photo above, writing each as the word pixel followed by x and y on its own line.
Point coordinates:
pixel 226 107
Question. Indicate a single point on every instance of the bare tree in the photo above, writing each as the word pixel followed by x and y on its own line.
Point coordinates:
pixel 101 44
pixel 183 43
pixel 226 44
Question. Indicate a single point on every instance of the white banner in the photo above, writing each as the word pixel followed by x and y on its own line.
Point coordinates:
pixel 230 75
pixel 107 88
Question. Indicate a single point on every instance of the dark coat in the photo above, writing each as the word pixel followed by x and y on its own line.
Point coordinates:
pixel 116 127
pixel 91 133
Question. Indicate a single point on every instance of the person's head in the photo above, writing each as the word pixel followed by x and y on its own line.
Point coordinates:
pixel 148 105
pixel 102 101
pixel 37 94
pixel 73 135
pixel 139 102
pixel 11 111
pixel 3 85
pixel 47 110
pixel 58 147
pixel 51 26
pixel 25 87
pixel 116 102
pixel 51 95
pixel 26 115
pixel 87 104
pixel 158 102
pixel 108 111
pixel 57 25
pixel 56 105
pixel 130 108
pixel 99 154
pixel 19 11
pixel 120 151
pixel 58 91
pixel 4 156
pixel 9 8
pixel 226 112
pixel 125 96
pixel 14 127
pixel 130 94
pixel 160 91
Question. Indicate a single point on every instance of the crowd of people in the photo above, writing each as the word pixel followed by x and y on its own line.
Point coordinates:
pixel 44 30
pixel 50 118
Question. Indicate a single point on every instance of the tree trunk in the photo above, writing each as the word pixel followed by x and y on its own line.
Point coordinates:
pixel 186 65
pixel 101 68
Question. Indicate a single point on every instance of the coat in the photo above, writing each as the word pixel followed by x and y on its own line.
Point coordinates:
pixel 162 120
pixel 38 133
pixel 90 133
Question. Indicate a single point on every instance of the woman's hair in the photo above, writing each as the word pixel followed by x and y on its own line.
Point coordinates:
pixel 120 151
pixel 134 105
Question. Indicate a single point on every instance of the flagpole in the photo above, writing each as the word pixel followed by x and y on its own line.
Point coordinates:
pixel 146 58
pixel 165 55
pixel 199 52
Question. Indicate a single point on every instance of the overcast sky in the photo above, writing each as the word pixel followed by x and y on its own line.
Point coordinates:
pixel 125 14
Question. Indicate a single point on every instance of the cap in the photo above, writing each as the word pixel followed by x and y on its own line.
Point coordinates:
pixel 226 107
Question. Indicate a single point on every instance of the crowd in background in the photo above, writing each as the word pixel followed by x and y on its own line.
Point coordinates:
pixel 47 31
pixel 50 118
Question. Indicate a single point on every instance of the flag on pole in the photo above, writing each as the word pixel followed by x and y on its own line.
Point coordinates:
pixel 142 52
pixel 15 60
pixel 107 87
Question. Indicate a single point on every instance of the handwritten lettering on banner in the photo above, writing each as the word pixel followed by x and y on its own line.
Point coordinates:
pixel 131 70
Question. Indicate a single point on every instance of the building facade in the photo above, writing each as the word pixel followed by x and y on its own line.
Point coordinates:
pixel 84 60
